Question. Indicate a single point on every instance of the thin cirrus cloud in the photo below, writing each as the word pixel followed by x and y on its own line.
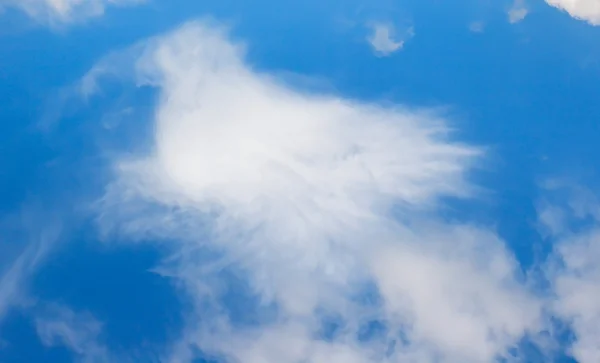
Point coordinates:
pixel 56 12
pixel 588 10
pixel 314 201
pixel 38 238
pixel 58 325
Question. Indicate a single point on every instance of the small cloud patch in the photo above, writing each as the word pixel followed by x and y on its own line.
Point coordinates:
pixel 518 12
pixel 385 41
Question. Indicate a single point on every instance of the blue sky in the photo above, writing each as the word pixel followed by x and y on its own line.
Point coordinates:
pixel 256 182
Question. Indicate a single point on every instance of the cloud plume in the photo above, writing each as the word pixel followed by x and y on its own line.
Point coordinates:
pixel 322 207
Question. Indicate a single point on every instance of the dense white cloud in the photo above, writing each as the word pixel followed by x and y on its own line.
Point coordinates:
pixel 458 296
pixel 588 10
pixel 577 289
pixel 573 225
pixel 55 12
pixel 384 39
pixel 311 198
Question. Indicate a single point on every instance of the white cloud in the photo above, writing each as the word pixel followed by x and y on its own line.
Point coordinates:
pixel 14 278
pixel 577 288
pixel 311 197
pixel 38 240
pixel 56 12
pixel 518 12
pixel 79 332
pixel 451 281
pixel 588 10
pixel 384 40
pixel 573 269
pixel 551 220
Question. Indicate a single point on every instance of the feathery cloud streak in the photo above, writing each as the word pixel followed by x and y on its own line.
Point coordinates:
pixel 314 200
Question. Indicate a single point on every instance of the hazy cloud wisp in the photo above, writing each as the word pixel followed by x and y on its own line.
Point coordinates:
pixel 56 12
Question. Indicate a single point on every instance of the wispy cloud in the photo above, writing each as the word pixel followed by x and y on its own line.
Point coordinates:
pixel 385 40
pixel 518 12
pixel 588 10
pixel 79 332
pixel 38 241
pixel 56 12
pixel 314 201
